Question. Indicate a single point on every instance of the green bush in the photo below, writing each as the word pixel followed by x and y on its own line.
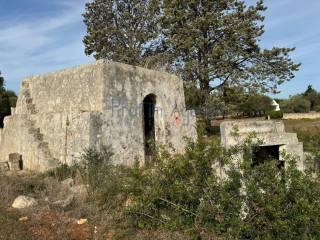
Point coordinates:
pixel 275 114
pixel 63 172
pixel 107 183
pixel 184 193
pixel 206 194
pixel 316 108
pixel 311 144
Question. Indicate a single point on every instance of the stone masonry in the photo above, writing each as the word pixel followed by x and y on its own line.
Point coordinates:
pixel 58 115
pixel 271 133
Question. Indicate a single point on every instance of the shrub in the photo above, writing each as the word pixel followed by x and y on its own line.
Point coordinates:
pixel 107 183
pixel 207 194
pixel 184 193
pixel 311 144
pixel 63 172
pixel 316 108
pixel 275 114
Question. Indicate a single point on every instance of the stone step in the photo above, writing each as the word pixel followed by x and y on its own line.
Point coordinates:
pixel 29 100
pixel 25 84
pixel 26 93
pixel 44 145
pixel 4 167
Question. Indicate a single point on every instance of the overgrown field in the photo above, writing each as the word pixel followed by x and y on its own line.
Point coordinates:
pixel 306 125
pixel 179 197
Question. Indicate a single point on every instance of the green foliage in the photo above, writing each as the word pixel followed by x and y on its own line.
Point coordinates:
pixel 256 105
pixel 108 184
pixel 275 114
pixel 214 44
pixel 12 98
pixel 296 104
pixel 63 172
pixel 311 144
pixel 302 103
pixel 94 167
pixel 316 108
pixel 207 194
pixel 210 44
pixel 123 31
pixel 280 203
pixel 313 96
pixel 8 99
pixel 184 193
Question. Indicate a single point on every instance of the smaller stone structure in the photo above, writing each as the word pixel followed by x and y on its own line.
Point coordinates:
pixel 272 134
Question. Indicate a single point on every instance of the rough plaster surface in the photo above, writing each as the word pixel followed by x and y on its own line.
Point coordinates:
pixel 60 114
pixel 269 132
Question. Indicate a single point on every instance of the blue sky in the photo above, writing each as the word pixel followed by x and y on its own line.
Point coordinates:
pixel 38 36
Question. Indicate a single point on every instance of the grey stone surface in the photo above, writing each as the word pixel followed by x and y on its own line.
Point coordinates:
pixel 269 132
pixel 24 202
pixel 67 183
pixel 4 167
pixel 65 202
pixel 15 161
pixel 60 114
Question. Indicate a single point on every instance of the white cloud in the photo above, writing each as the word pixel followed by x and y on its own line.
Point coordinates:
pixel 41 45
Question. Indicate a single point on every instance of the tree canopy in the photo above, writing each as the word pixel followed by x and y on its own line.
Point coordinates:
pixel 121 30
pixel 8 99
pixel 209 44
pixel 303 102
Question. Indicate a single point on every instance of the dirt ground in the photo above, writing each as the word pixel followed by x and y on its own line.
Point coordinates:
pixel 45 222
pixel 50 225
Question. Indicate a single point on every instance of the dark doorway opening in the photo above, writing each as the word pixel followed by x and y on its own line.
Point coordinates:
pixel 149 104
pixel 21 163
pixel 266 153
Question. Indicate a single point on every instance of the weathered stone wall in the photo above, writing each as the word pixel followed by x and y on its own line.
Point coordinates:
pixel 60 114
pixel 75 89
pixel 269 132
pixel 315 115
pixel 126 87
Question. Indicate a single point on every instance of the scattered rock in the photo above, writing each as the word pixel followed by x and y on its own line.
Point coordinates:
pixel 79 191
pixel 23 219
pixel 68 183
pixel 24 202
pixel 82 221
pixel 128 202
pixel 64 203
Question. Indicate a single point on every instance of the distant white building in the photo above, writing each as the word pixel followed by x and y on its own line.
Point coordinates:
pixel 275 105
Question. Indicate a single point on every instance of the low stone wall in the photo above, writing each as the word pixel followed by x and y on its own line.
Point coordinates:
pixel 293 116
pixel 271 133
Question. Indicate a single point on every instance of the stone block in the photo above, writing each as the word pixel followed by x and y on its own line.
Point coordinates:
pixel 15 162
pixel 4 167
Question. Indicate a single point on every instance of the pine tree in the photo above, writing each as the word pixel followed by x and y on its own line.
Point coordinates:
pixel 121 30
pixel 216 43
